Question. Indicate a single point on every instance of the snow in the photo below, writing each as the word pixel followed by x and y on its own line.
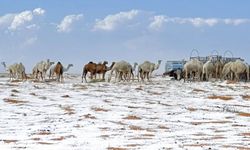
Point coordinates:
pixel 160 114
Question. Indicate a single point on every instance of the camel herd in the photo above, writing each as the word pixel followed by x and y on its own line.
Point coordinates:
pixel 122 69
pixel 194 70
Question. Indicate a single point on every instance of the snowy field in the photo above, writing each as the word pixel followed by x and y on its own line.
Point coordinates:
pixel 157 115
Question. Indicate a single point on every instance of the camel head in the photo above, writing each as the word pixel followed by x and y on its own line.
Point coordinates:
pixel 159 62
pixel 109 68
pixel 105 63
pixel 135 64
pixel 70 65
pixel 4 64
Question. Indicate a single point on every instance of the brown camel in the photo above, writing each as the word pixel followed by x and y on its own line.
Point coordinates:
pixel 102 68
pixel 90 67
pixel 59 71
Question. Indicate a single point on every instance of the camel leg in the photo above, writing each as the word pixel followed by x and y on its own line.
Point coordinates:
pixel 110 75
pixel 103 76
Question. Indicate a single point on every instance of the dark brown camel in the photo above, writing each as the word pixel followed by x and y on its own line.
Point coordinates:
pixel 59 71
pixel 102 68
pixel 90 67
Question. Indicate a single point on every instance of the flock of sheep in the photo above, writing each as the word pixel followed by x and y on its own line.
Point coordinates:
pixel 192 70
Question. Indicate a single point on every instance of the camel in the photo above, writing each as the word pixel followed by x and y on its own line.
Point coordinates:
pixel 154 67
pixel 124 77
pixel 239 67
pixel 94 69
pixel 121 68
pixel 90 67
pixel 208 70
pixel 226 70
pixel 59 71
pixel 146 69
pixel 15 70
pixel 143 70
pixel 218 68
pixel 101 68
pixel 41 68
pixel 52 70
pixel 194 65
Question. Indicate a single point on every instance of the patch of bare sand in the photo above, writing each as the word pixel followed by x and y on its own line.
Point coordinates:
pixel 132 117
pixel 243 114
pixel 246 97
pixel 116 148
pixel 225 98
pixel 199 90
pixel 99 109
pixel 14 101
pixel 210 122
pixel 9 141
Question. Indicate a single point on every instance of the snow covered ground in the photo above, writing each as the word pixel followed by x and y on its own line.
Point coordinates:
pixel 161 114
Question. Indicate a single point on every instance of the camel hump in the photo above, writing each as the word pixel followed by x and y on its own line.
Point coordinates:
pixel 91 62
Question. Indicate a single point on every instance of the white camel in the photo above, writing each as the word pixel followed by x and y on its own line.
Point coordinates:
pixel 154 67
pixel 15 70
pixel 146 69
pixel 121 68
pixel 208 70
pixel 218 68
pixel 226 71
pixel 41 68
pixel 193 66
pixel 52 70
pixel 239 67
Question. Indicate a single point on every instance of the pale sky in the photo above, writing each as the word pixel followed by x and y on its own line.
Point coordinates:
pixel 92 30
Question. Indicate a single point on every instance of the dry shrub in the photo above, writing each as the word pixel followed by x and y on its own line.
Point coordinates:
pixel 89 116
pixel 162 127
pixel 99 109
pixel 104 136
pixel 139 88
pixel 246 97
pixel 225 98
pixel 44 132
pixel 10 141
pixel 34 94
pixel 63 138
pixel 210 122
pixel 236 147
pixel 191 109
pixel 244 114
pixel 132 127
pixel 45 143
pixel 198 90
pixel 196 145
pixel 133 145
pixel 36 139
pixel 118 122
pixel 58 139
pixel 15 91
pixel 131 117
pixel 116 148
pixel 148 135
pixel 246 134
pixel 65 96
pixel 68 109
pixel 154 93
pixel 14 101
